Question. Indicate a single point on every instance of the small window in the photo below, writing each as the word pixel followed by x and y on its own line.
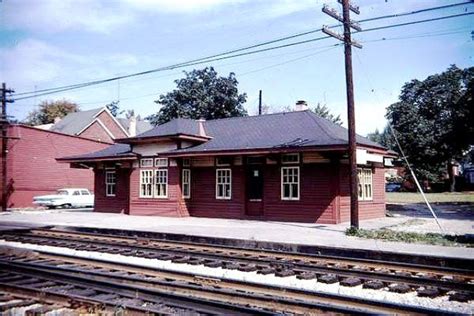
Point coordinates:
pixel 290 158
pixel 223 184
pixel 186 162
pixel 224 161
pixel 146 162
pixel 85 192
pixel 146 183
pixel 76 193
pixel 110 183
pixel 161 162
pixel 186 183
pixel 290 183
pixel 63 192
pixel 365 184
pixel 161 183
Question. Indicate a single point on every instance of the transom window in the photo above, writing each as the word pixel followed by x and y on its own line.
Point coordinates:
pixel 186 183
pixel 290 183
pixel 365 184
pixel 224 161
pixel 186 162
pixel 290 158
pixel 161 162
pixel 223 184
pixel 110 183
pixel 146 162
pixel 146 183
pixel 161 183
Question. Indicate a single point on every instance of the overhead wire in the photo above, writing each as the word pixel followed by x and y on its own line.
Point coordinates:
pixel 213 57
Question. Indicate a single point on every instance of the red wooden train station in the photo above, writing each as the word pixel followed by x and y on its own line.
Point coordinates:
pixel 282 167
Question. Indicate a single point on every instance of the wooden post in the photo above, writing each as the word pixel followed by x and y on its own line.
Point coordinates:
pixel 260 102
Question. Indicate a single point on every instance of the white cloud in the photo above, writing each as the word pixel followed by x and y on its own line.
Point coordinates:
pixel 51 16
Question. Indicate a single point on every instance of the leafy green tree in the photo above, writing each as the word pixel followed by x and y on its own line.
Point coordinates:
pixel 201 94
pixel 114 108
pixel 323 111
pixel 434 121
pixel 384 138
pixel 50 110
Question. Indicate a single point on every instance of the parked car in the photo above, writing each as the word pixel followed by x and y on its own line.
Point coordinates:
pixel 393 187
pixel 76 197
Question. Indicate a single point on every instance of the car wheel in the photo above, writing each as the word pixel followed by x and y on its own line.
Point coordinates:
pixel 51 207
pixel 67 205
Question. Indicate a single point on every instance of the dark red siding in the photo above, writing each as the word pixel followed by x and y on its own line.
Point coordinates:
pixel 96 132
pixel 112 204
pixel 32 168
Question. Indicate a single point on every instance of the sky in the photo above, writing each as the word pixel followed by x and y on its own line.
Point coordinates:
pixel 50 43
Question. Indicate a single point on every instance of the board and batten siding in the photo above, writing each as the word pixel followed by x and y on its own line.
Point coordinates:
pixel 32 168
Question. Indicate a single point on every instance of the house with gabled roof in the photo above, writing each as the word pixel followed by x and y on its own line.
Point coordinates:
pixel 99 124
pixel 284 167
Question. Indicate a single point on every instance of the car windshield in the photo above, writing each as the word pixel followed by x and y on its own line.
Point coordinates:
pixel 62 192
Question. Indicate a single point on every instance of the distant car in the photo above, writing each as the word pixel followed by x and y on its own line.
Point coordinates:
pixel 393 187
pixel 76 197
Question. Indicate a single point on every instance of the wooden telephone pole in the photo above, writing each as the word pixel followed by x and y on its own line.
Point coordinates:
pixel 348 43
pixel 4 126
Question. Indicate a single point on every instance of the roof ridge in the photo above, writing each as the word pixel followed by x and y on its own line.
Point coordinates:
pixel 313 117
pixel 256 116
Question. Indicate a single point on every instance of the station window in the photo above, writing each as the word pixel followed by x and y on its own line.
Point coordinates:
pixel 290 183
pixel 146 183
pixel 365 184
pixel 146 162
pixel 290 158
pixel 161 183
pixel 186 183
pixel 110 183
pixel 223 184
pixel 161 162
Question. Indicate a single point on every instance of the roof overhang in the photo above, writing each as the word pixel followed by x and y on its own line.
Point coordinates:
pixel 151 139
pixel 97 159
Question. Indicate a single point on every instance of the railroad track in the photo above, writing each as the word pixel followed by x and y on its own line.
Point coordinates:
pixel 99 286
pixel 426 281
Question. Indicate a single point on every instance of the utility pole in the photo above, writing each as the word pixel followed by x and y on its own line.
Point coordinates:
pixel 4 126
pixel 348 43
pixel 260 102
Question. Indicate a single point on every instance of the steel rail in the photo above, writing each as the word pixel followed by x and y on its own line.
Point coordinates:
pixel 457 282
pixel 159 282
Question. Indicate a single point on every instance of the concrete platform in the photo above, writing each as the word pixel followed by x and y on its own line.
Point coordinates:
pixel 295 233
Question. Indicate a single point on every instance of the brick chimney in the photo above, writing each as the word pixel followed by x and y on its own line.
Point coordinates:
pixel 201 132
pixel 132 127
pixel 301 105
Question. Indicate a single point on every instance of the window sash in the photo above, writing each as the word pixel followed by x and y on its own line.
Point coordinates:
pixel 110 183
pixel 223 184
pixel 161 162
pixel 161 183
pixel 365 185
pixel 146 162
pixel 146 183
pixel 290 158
pixel 186 183
pixel 290 183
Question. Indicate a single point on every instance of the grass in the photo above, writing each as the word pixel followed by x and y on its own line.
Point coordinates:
pixel 410 237
pixel 408 197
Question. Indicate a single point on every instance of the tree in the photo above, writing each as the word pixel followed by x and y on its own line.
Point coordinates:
pixel 50 110
pixel 114 108
pixel 201 94
pixel 323 111
pixel 434 121
pixel 384 138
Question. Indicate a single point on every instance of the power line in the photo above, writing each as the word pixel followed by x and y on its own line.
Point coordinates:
pixel 211 58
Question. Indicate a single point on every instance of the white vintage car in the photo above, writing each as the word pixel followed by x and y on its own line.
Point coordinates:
pixel 76 197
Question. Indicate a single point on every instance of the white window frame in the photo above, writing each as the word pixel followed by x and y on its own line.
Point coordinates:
pixel 186 181
pixel 224 183
pixel 283 162
pixel 161 162
pixel 112 185
pixel 146 162
pixel 160 183
pixel 298 183
pixel 365 186
pixel 149 177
